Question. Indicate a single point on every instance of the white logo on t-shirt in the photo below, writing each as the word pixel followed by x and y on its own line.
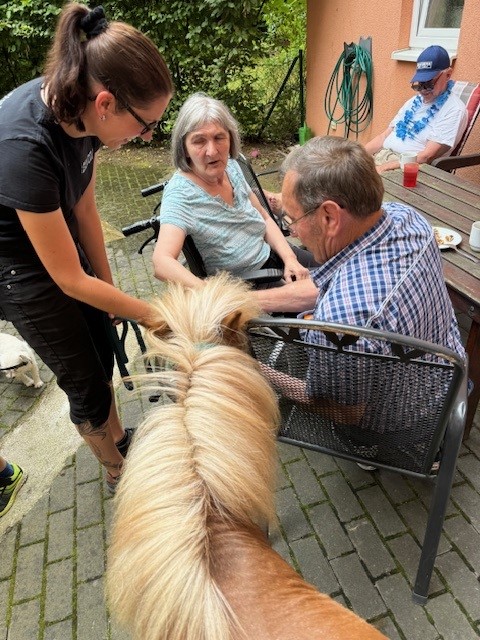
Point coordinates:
pixel 87 161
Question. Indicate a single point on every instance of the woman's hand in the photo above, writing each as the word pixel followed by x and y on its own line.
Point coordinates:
pixel 293 270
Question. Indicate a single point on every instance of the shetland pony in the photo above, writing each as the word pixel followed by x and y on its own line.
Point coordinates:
pixel 188 559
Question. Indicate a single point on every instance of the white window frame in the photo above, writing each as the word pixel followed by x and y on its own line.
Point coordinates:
pixel 421 37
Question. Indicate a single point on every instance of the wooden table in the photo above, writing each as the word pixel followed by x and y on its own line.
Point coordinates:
pixel 450 201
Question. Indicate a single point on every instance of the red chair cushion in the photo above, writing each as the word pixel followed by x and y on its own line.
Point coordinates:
pixel 469 93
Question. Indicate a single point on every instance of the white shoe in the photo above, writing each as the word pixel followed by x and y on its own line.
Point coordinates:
pixel 366 467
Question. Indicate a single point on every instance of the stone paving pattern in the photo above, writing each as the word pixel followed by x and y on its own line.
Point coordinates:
pixel 353 534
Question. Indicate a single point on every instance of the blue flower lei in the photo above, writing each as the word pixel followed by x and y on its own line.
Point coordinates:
pixel 410 127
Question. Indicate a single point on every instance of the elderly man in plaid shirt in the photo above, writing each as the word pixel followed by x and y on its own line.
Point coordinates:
pixel 380 264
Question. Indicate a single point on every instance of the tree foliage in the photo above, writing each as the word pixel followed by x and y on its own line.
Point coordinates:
pixel 26 29
pixel 214 46
pixel 207 45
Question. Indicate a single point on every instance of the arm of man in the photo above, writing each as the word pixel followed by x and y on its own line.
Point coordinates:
pixel 376 143
pixel 296 390
pixel 56 249
pixel 294 297
pixel 165 257
pixel 432 150
pixel 293 270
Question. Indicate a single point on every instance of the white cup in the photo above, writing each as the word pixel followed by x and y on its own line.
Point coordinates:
pixel 475 236
pixel 407 156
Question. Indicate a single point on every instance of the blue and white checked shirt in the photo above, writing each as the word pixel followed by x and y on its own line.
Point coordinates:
pixel 390 278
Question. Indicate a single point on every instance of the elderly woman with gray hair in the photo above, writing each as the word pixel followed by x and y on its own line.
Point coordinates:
pixel 209 199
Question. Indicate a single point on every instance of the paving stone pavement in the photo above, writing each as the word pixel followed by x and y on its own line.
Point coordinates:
pixel 353 534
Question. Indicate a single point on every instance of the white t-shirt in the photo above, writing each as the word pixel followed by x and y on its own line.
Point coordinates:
pixel 446 126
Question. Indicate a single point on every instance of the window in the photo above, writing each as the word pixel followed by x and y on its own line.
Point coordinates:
pixel 436 22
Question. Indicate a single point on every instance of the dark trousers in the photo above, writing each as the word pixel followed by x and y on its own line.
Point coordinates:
pixel 69 336
pixel 274 261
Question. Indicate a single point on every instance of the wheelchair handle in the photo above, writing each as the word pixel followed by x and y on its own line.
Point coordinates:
pixel 141 225
pixel 154 188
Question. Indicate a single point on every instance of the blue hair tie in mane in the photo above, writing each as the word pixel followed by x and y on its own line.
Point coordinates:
pixel 201 346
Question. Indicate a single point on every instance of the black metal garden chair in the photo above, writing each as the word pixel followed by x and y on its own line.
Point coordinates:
pixel 401 407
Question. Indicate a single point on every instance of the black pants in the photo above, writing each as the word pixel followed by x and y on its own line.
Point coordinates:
pixel 274 261
pixel 69 336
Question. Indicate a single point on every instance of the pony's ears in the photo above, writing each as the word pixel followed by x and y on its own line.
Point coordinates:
pixel 234 321
pixel 232 326
pixel 160 328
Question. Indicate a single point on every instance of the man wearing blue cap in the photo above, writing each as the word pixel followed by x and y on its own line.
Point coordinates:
pixel 431 123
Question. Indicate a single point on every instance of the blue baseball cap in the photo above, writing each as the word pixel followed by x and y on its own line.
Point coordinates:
pixel 430 62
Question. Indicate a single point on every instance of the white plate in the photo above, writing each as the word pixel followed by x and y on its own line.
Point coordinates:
pixel 446 237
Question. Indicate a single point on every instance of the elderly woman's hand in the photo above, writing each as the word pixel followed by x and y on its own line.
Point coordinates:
pixel 293 270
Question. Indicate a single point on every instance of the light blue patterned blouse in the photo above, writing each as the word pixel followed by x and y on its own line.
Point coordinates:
pixel 228 237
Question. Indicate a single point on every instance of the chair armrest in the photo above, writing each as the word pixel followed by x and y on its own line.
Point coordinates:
pixel 261 276
pixel 267 172
pixel 456 162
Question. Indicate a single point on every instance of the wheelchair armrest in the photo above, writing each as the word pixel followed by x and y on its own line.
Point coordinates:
pixel 261 276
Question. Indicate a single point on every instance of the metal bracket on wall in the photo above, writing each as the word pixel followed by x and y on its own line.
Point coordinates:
pixel 366 43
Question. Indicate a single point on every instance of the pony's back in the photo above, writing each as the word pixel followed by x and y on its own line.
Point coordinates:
pixel 209 455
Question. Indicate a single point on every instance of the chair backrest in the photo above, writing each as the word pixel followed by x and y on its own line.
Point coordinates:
pixel 193 258
pixel 252 179
pixel 254 183
pixel 469 93
pixel 389 406
pixel 370 396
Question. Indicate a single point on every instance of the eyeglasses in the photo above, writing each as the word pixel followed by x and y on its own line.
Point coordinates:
pixel 288 222
pixel 146 126
pixel 426 86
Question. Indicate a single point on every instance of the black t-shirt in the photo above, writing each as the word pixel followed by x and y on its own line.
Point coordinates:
pixel 41 167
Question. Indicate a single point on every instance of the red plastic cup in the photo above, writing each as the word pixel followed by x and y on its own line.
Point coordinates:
pixel 410 173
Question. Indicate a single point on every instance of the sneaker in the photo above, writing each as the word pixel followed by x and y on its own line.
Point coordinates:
pixel 366 467
pixel 9 488
pixel 125 442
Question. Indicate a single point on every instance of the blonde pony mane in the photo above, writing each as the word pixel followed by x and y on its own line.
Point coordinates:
pixel 209 454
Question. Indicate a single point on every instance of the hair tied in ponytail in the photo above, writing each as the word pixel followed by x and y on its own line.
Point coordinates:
pixel 94 22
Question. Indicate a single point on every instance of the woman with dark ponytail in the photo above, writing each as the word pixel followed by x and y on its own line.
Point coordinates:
pixel 104 83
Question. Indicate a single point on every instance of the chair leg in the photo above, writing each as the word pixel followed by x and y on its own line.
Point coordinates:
pixel 436 515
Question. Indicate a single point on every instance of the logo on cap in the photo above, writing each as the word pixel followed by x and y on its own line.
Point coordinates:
pixel 424 65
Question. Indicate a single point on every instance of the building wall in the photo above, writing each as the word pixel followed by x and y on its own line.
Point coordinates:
pixel 332 23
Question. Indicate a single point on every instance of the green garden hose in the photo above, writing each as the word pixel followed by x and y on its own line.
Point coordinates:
pixel 344 89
